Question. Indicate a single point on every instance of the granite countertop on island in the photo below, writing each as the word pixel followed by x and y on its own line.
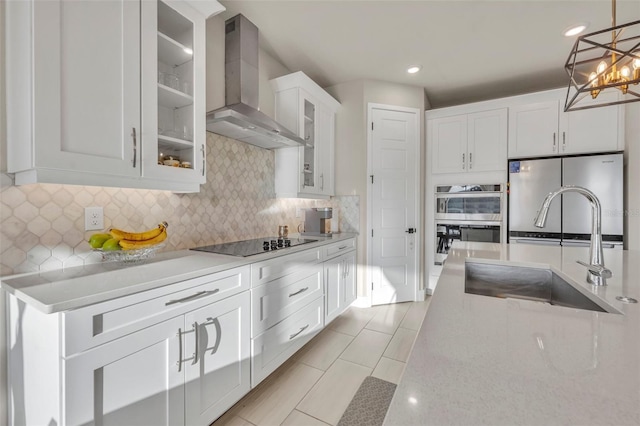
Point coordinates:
pixel 480 360
pixel 72 288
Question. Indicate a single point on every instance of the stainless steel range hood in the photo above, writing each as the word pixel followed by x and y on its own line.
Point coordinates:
pixel 240 118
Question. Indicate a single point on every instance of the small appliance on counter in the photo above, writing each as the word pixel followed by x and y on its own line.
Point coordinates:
pixel 317 221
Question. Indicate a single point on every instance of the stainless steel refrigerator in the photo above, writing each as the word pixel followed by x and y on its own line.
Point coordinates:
pixel 569 219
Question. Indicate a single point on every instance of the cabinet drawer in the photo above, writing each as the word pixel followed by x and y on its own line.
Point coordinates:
pixel 263 272
pixel 94 325
pixel 276 345
pixel 336 249
pixel 274 301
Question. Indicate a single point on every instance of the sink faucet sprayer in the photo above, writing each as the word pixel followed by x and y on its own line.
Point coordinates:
pixel 597 272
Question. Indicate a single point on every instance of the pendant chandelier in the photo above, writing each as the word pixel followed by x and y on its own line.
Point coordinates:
pixel 602 62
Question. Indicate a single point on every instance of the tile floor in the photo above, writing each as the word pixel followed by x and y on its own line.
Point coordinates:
pixel 315 386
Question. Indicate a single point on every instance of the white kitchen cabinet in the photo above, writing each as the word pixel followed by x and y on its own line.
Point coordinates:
pixel 272 348
pixel 220 375
pixel 541 128
pixel 340 284
pixel 133 380
pixel 475 142
pixel 593 130
pixel 175 354
pixel 82 93
pixel 307 110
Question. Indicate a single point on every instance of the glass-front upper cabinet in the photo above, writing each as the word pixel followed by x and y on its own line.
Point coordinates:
pixel 309 156
pixel 177 139
pixel 307 110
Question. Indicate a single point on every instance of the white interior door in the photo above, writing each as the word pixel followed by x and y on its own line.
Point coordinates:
pixel 393 246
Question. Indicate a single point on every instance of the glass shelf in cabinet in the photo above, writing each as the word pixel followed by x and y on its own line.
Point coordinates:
pixel 172 52
pixel 172 98
pixel 175 142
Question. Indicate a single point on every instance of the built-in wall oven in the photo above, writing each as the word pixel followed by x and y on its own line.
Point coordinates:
pixel 467 213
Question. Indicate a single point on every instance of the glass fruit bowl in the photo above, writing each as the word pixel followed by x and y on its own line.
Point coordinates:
pixel 129 256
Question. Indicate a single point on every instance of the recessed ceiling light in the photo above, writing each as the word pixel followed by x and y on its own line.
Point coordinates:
pixel 575 30
pixel 414 69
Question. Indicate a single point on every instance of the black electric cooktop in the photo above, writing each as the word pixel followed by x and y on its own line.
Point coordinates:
pixel 251 247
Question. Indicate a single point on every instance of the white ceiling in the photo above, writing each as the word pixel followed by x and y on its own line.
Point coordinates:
pixel 469 50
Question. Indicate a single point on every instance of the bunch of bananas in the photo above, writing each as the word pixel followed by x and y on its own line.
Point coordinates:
pixel 118 239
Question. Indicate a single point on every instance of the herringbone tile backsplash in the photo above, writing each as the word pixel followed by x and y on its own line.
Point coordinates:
pixel 42 225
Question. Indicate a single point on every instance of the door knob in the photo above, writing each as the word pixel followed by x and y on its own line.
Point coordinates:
pixel 410 231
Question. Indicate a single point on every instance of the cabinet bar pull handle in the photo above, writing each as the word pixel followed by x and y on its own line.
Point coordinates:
pixel 564 141
pixel 470 160
pixel 302 290
pixel 298 332
pixel 193 296
pixel 554 141
pixel 462 161
pixel 204 159
pixel 179 350
pixel 135 147
pixel 322 181
pixel 342 248
pixel 195 353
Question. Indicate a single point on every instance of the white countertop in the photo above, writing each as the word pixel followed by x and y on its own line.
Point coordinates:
pixel 481 360
pixel 72 288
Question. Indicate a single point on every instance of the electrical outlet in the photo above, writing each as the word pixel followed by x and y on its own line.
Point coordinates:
pixel 298 212
pixel 93 218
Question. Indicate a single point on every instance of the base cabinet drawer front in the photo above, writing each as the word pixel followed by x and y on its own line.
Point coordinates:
pixel 134 380
pixel 220 375
pixel 337 249
pixel 263 272
pixel 274 301
pixel 97 324
pixel 276 345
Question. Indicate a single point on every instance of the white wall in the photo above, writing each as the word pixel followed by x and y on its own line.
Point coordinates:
pixel 350 159
pixel 3 167
pixel 632 175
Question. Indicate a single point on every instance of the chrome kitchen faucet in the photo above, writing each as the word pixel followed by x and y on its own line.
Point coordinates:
pixel 597 272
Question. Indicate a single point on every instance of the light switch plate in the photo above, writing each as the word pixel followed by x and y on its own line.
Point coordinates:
pixel 93 218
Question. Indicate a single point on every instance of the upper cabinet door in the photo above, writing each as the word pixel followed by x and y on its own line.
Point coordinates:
pixel 325 154
pixel 533 129
pixel 173 93
pixel 449 144
pixel 487 140
pixel 86 86
pixel 593 130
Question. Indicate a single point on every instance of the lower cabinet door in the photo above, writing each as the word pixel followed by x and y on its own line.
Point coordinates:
pixel 134 380
pixel 350 290
pixel 217 356
pixel 334 293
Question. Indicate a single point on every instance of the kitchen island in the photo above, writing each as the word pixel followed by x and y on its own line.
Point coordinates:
pixel 492 361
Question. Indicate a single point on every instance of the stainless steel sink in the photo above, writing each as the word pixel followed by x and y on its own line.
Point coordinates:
pixel 536 284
